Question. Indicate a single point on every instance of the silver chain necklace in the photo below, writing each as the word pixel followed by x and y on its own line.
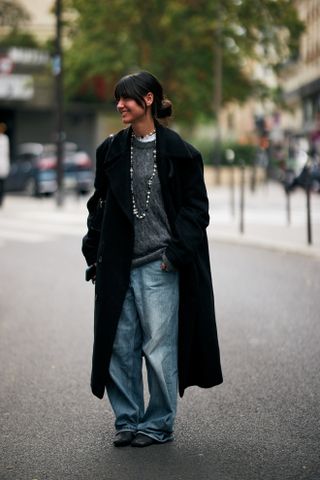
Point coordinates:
pixel 141 215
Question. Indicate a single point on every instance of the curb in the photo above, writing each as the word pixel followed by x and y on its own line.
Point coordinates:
pixel 309 251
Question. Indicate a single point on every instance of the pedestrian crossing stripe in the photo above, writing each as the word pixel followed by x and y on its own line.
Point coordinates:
pixel 22 237
pixel 42 226
pixel 34 226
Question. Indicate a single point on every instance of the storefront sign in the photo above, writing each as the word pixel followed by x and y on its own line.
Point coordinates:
pixel 16 87
pixel 28 56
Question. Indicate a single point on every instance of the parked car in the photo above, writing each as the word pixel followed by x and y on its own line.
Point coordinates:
pixel 34 170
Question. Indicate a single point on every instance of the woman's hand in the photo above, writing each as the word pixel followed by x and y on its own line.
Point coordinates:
pixel 164 267
pixel 93 279
pixel 91 273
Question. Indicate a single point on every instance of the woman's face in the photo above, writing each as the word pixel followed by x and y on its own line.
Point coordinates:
pixel 131 111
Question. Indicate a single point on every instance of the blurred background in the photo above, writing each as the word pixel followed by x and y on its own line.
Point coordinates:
pixel 242 75
pixel 244 79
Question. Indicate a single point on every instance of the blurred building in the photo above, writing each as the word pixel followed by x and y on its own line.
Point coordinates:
pixel 42 24
pixel 250 121
pixel 300 82
pixel 27 91
pixel 27 102
pixel 300 79
pixel 246 122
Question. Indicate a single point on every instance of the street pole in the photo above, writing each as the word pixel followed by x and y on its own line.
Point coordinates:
pixel 288 205
pixel 58 73
pixel 253 176
pixel 217 99
pixel 232 190
pixel 230 159
pixel 308 191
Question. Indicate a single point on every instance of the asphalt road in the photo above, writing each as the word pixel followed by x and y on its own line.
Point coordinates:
pixel 261 423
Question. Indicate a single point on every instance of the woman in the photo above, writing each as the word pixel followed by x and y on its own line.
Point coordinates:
pixel 153 287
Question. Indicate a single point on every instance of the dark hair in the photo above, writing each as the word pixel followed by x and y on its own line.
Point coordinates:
pixel 137 85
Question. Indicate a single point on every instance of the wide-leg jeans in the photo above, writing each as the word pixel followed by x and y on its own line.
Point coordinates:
pixel 148 326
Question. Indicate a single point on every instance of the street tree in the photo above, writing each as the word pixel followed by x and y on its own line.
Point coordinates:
pixel 12 14
pixel 178 40
pixel 13 18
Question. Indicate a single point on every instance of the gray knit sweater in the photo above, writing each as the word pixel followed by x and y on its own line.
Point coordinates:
pixel 152 233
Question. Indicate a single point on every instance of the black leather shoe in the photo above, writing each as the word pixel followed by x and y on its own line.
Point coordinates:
pixel 142 440
pixel 123 439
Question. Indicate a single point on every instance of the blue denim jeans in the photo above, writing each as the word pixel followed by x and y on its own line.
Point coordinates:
pixel 148 326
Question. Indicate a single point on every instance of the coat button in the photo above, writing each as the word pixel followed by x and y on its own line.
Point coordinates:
pixel 100 259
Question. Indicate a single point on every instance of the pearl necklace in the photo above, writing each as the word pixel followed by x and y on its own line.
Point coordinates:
pixel 144 136
pixel 136 213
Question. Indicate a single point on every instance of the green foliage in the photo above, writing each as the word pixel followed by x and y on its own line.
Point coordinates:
pixel 13 15
pixel 19 39
pixel 175 40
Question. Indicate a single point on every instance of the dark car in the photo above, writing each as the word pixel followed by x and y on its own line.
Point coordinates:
pixel 34 169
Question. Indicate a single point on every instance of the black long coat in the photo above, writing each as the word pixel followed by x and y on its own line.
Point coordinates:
pixel 180 170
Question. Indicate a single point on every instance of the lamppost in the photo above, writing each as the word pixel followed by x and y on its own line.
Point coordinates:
pixel 217 96
pixel 58 73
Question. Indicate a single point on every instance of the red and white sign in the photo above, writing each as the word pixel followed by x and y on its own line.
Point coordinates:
pixel 6 65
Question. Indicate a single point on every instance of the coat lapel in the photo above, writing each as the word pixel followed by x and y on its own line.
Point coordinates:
pixel 165 168
pixel 117 169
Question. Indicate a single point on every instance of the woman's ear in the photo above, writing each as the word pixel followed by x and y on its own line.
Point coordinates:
pixel 149 99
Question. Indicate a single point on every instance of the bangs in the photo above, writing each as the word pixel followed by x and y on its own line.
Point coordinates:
pixel 128 87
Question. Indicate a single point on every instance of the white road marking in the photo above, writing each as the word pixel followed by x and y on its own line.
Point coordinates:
pixel 56 217
pixel 22 236
pixel 33 226
pixel 42 227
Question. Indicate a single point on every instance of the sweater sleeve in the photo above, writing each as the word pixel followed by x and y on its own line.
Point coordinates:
pixel 193 217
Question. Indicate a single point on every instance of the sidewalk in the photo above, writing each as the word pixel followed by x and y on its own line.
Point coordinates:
pixel 265 219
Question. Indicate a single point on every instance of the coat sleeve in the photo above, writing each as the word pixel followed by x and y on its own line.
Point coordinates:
pixel 193 216
pixel 90 241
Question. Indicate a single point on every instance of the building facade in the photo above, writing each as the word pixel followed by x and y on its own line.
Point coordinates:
pixel 300 83
pixel 28 106
pixel 27 92
pixel 300 80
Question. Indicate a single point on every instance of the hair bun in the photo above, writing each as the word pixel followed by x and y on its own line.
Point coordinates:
pixel 165 109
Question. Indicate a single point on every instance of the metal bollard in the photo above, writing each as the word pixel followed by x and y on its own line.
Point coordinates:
pixel 229 154
pixel 308 195
pixel 232 192
pixel 288 207
pixel 253 179
pixel 242 196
